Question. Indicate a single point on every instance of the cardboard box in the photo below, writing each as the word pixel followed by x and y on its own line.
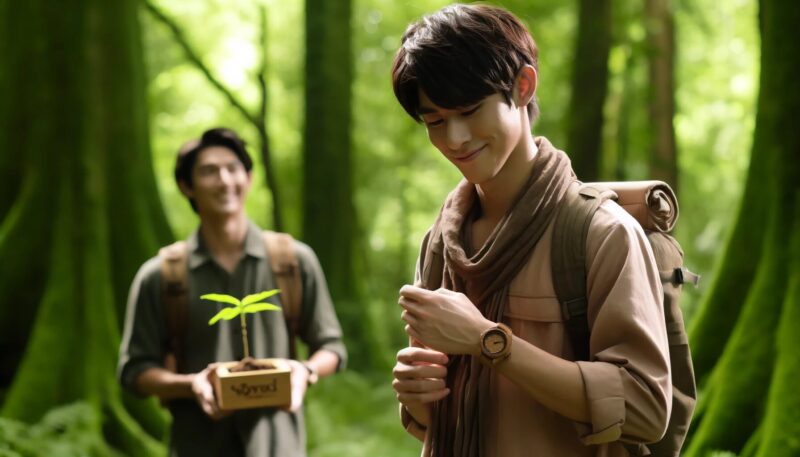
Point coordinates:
pixel 253 389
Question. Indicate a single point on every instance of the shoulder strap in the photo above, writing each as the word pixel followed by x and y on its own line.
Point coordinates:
pixel 286 269
pixel 568 260
pixel 175 297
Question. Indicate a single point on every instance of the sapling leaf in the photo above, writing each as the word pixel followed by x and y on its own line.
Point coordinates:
pixel 222 298
pixel 225 313
pixel 256 307
pixel 259 296
pixel 247 305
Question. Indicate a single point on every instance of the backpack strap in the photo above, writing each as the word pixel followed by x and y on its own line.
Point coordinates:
pixel 568 259
pixel 286 269
pixel 175 297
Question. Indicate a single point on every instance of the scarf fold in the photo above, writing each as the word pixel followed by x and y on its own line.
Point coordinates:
pixel 458 420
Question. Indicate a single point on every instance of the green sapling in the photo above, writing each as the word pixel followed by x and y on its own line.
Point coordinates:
pixel 248 305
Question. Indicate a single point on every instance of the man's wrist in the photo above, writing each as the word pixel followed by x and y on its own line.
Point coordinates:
pixel 313 373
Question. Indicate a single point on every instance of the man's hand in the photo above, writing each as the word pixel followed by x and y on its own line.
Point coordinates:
pixel 419 380
pixel 443 320
pixel 299 380
pixel 203 389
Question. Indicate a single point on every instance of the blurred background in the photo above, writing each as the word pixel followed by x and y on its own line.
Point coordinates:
pixel 96 97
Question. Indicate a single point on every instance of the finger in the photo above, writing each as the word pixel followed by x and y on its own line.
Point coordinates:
pixel 408 318
pixel 209 406
pixel 415 293
pixel 402 371
pixel 210 402
pixel 427 397
pixel 418 385
pixel 409 305
pixel 297 400
pixel 412 355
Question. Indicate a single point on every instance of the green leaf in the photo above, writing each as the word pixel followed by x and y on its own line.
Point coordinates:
pixel 256 307
pixel 225 313
pixel 259 296
pixel 222 298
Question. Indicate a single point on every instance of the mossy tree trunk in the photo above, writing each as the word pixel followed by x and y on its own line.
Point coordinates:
pixel 328 211
pixel 661 103
pixel 83 214
pixel 589 87
pixel 329 217
pixel 744 338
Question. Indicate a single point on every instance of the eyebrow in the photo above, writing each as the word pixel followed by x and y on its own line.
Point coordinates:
pixel 218 164
pixel 422 109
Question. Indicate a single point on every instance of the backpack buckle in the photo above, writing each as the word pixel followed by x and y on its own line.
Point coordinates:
pixel 678 276
pixel 573 308
pixel 682 275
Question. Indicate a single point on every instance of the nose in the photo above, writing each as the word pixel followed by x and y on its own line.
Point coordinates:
pixel 457 133
pixel 225 176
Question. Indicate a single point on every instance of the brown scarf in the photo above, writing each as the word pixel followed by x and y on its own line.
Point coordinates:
pixel 457 422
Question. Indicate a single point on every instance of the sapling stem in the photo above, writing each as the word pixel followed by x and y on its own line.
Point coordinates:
pixel 244 336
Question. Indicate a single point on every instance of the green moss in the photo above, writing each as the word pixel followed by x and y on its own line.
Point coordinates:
pixel 781 434
pixel 735 394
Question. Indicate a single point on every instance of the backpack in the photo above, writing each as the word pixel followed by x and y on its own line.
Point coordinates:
pixel 175 290
pixel 643 200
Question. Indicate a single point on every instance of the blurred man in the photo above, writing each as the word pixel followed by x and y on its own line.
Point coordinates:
pixel 226 254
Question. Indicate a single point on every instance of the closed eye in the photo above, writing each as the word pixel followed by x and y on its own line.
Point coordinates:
pixel 471 110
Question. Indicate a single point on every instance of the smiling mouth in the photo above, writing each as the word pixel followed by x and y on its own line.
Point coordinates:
pixel 471 155
pixel 226 197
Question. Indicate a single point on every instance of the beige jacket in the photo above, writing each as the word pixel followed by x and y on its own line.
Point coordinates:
pixel 628 378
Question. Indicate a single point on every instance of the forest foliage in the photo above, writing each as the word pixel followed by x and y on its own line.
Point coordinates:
pixel 399 180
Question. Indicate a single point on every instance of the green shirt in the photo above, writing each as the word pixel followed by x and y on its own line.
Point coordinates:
pixel 255 432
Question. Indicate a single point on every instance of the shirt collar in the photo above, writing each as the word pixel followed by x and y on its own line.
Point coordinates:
pixel 199 254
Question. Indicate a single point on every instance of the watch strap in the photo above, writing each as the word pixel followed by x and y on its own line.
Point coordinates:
pixel 313 374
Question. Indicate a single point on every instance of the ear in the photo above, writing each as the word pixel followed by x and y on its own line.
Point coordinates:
pixel 186 190
pixel 525 85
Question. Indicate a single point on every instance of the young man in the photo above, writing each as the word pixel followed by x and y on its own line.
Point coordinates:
pixel 226 254
pixel 491 370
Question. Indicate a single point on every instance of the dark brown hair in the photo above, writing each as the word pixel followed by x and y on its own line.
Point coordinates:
pixel 187 153
pixel 461 54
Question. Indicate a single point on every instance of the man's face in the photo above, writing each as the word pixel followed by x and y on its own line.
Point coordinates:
pixel 219 182
pixel 478 139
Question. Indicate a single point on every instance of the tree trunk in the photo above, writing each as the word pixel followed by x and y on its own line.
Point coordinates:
pixel 744 338
pixel 86 213
pixel 329 216
pixel 661 106
pixel 589 88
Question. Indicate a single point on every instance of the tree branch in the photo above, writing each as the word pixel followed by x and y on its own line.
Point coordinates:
pixel 195 59
pixel 269 174
pixel 259 120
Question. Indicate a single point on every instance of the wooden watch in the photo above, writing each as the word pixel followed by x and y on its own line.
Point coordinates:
pixel 496 343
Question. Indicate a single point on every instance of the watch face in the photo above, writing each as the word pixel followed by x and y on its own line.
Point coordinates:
pixel 495 342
